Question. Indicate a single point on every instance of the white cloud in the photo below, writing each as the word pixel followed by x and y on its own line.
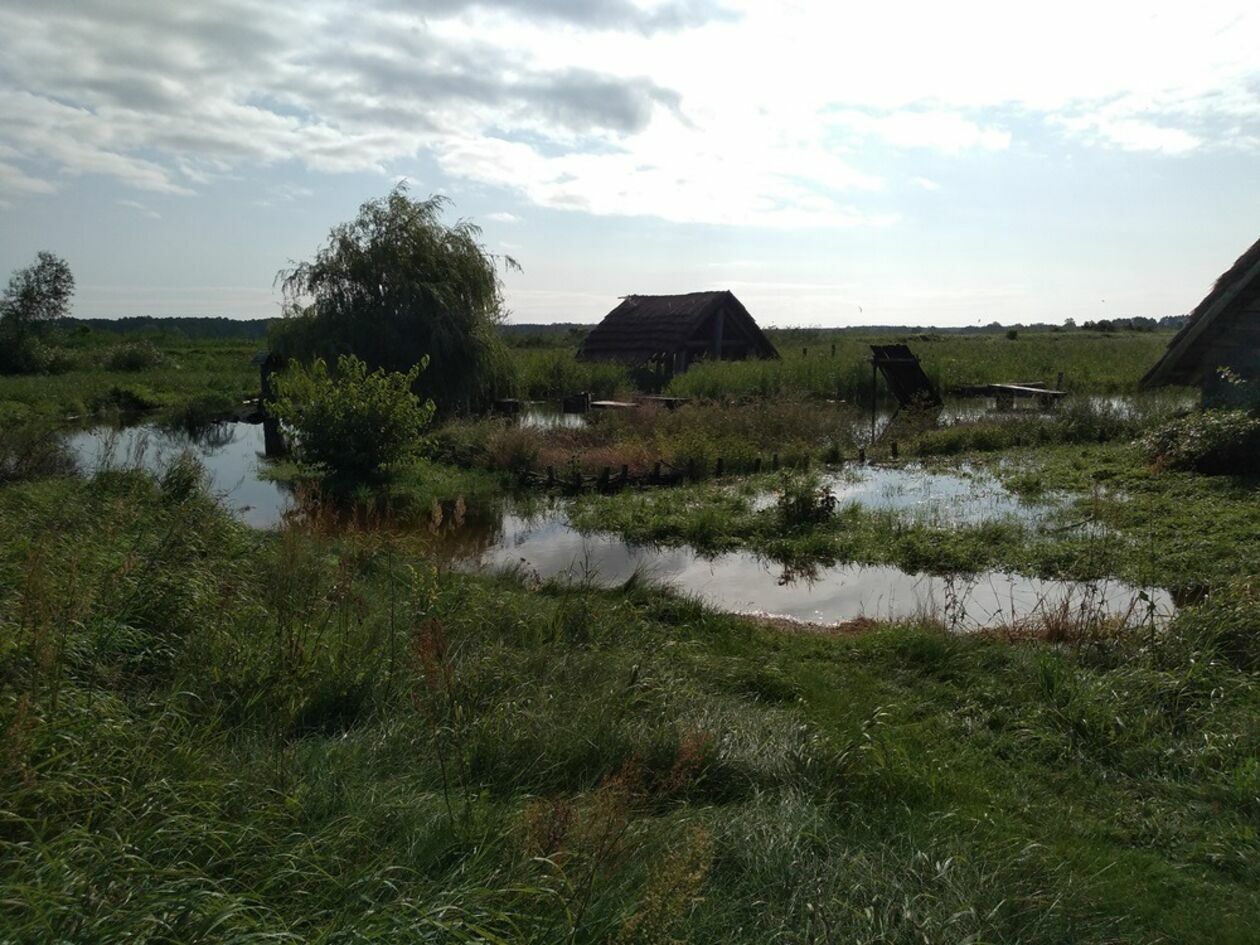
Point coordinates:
pixel 502 216
pixel 767 113
pixel 925 183
pixel 947 132
pixel 15 182
pixel 140 208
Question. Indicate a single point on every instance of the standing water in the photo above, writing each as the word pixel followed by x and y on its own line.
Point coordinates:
pixel 548 547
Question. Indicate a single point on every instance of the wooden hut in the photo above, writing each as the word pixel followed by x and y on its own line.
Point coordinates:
pixel 1218 349
pixel 674 331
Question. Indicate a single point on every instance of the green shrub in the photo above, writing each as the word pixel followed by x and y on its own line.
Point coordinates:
pixel 1212 441
pixel 134 356
pixel 804 500
pixel 353 424
pixel 29 355
pixel 32 452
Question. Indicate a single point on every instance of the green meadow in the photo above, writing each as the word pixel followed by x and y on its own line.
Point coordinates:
pixel 331 731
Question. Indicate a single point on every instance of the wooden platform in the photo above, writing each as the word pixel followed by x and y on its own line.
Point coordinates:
pixel 1005 395
pixel 612 405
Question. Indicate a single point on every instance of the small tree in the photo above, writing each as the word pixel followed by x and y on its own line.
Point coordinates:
pixel 36 298
pixel 352 424
pixel 397 284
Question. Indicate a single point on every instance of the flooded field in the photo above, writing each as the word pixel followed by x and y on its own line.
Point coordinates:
pixel 545 546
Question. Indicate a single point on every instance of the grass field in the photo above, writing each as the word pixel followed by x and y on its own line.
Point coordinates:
pixel 1091 362
pixel 329 732
pixel 200 378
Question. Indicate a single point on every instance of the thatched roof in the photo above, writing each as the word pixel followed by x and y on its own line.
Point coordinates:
pixel 1237 286
pixel 645 326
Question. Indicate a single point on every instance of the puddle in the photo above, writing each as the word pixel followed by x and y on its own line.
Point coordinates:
pixel 230 452
pixel 544 545
pixel 940 499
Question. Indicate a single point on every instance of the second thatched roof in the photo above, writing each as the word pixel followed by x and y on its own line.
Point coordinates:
pixel 1238 287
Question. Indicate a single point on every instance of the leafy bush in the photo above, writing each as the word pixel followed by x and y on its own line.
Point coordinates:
pixel 30 355
pixel 353 424
pixel 134 356
pixel 1212 441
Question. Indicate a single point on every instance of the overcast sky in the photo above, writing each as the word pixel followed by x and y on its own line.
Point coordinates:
pixel 832 163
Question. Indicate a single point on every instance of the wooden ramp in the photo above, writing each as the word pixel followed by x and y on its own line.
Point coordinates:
pixel 904 376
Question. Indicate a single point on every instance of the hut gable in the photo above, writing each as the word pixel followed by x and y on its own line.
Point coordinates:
pixel 676 330
pixel 1223 331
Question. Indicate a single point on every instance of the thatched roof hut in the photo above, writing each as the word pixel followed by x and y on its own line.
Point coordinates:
pixel 1219 346
pixel 675 330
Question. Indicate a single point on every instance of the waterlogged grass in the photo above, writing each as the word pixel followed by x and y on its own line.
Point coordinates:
pixel 218 734
pixel 714 518
pixel 1172 528
pixel 1110 513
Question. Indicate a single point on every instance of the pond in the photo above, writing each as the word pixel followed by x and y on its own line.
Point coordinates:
pixel 231 453
pixel 545 546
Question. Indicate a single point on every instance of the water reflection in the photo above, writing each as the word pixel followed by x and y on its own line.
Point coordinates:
pixel 230 452
pixel 535 537
pixel 545 545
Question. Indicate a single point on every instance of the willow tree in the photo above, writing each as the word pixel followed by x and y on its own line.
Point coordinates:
pixel 397 284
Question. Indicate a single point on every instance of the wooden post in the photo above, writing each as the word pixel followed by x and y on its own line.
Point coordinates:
pixel 804 352
pixel 757 465
pixel 1058 382
pixel 656 471
pixel 551 475
pixel 874 395
pixel 717 471
pixel 894 449
pixel 861 454
pixel 774 461
pixel 604 477
pixel 833 349
pixel 625 472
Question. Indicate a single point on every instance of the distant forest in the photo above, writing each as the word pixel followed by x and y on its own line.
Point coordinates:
pixel 568 334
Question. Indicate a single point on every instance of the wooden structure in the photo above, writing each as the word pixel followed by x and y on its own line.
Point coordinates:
pixel 904 376
pixel 1218 349
pixel 1005 395
pixel 672 332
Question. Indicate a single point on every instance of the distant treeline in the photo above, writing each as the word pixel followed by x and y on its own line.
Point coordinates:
pixel 188 327
pixel 569 335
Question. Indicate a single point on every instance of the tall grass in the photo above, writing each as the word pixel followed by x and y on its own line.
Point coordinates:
pixel 213 734
pixel 1091 362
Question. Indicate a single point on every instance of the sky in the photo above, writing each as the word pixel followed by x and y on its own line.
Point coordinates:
pixel 831 163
